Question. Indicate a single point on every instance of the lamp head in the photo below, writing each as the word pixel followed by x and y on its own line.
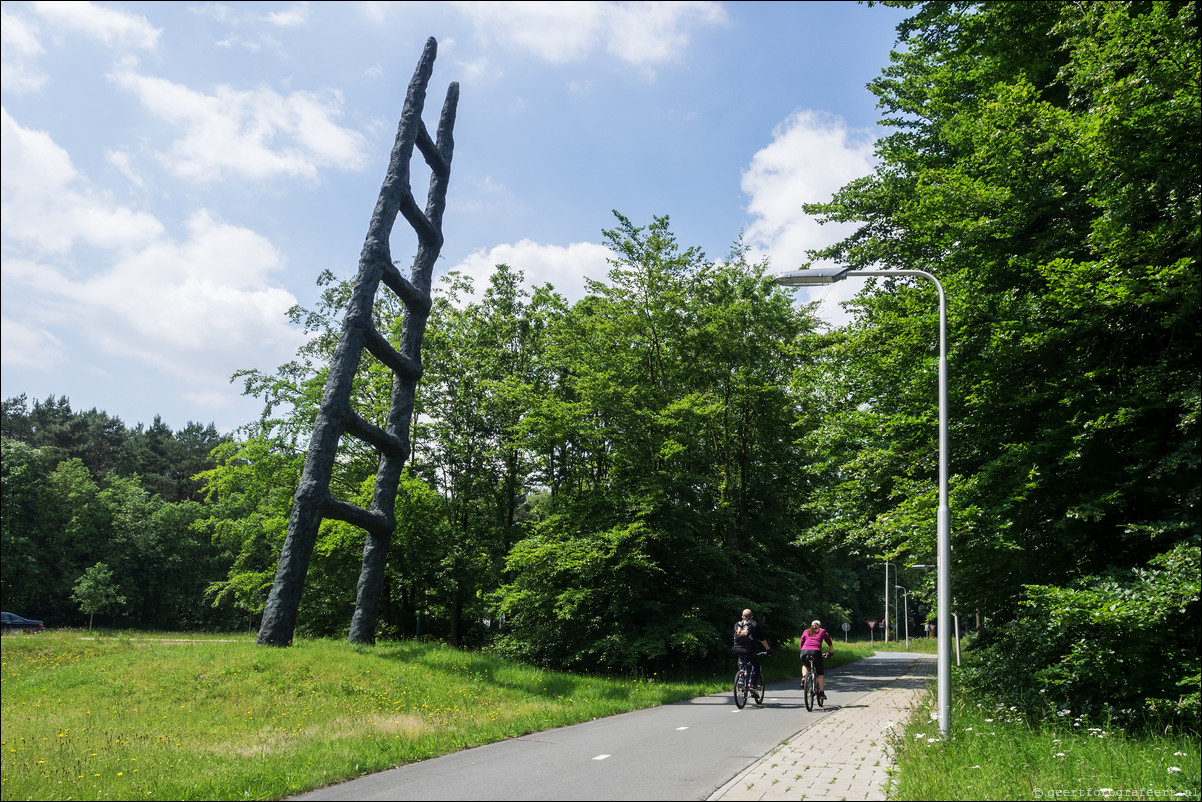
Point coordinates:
pixel 812 277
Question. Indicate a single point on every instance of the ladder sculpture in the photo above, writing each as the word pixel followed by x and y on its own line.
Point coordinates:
pixel 313 501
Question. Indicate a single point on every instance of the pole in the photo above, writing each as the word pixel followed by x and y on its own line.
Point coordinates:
pixel 886 621
pixel 906 600
pixel 944 543
pixel 944 532
pixel 815 276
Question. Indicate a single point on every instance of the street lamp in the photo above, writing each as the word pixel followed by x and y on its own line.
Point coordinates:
pixel 829 275
pixel 906 599
pixel 887 564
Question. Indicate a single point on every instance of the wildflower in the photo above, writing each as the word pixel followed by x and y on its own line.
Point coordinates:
pixel 1180 754
pixel 1058 754
pixel 1063 713
pixel 1174 768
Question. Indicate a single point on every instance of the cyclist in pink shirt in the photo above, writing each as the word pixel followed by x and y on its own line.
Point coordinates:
pixel 811 641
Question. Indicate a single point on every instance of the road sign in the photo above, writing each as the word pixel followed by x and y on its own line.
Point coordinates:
pixel 872 625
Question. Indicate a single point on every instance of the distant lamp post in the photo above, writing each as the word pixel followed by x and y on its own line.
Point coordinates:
pixel 906 600
pixel 887 564
pixel 829 275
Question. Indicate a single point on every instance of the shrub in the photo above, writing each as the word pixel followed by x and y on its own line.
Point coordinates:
pixel 1122 647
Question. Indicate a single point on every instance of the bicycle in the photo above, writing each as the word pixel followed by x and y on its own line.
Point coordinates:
pixel 809 683
pixel 749 681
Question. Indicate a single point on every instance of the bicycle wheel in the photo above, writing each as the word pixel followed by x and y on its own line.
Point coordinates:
pixel 809 691
pixel 740 689
pixel 758 690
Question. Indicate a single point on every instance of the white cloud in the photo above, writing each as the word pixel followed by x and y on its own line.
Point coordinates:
pixel 655 33
pixel 810 157
pixel 290 17
pixel 109 26
pixel 250 22
pixel 43 208
pixel 192 307
pixel 122 161
pixel 28 346
pixel 377 11
pixel 565 268
pixel 641 34
pixel 19 48
pixel 254 134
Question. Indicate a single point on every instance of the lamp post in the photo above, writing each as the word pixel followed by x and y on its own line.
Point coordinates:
pixel 829 275
pixel 887 564
pixel 906 599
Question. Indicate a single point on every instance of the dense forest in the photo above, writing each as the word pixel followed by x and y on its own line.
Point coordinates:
pixel 80 490
pixel 602 485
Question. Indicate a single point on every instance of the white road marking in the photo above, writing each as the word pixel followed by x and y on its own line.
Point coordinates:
pixel 600 757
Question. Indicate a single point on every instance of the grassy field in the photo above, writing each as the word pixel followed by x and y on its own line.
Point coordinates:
pixel 993 753
pixel 140 716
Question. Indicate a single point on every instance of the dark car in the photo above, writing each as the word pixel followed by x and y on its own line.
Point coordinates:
pixel 15 623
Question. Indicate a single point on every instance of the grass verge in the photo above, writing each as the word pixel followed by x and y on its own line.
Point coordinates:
pixel 993 752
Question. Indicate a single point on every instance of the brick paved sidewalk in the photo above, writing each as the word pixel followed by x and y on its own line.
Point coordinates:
pixel 842 756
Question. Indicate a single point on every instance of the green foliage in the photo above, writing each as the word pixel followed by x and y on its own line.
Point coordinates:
pixel 1043 164
pixel 28 532
pixel 81 488
pixel 995 752
pixel 1121 647
pixel 249 494
pixel 671 475
pixel 97 592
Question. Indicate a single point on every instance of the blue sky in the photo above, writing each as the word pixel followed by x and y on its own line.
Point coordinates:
pixel 176 175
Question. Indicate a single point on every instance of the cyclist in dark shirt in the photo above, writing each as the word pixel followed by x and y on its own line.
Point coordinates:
pixel 747 633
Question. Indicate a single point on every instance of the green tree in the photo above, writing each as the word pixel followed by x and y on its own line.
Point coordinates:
pixel 1044 165
pixel 27 530
pixel 482 361
pixel 248 495
pixel 97 592
pixel 670 467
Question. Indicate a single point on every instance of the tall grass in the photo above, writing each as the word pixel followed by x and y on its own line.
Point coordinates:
pixel 994 752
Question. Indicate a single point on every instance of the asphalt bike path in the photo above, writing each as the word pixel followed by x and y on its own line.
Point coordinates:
pixel 696 749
